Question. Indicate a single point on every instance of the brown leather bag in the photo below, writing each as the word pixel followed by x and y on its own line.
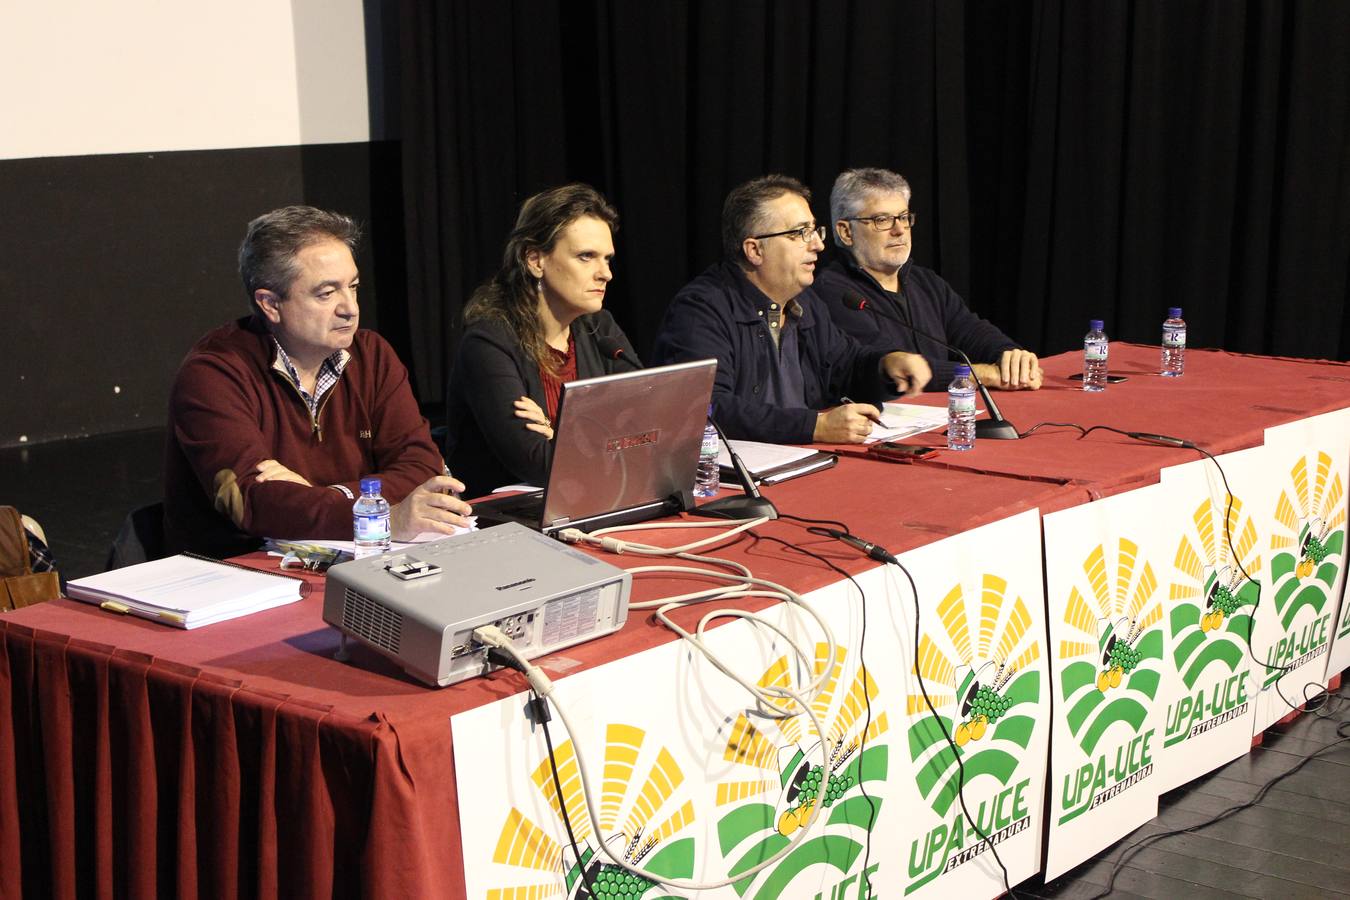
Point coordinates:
pixel 19 584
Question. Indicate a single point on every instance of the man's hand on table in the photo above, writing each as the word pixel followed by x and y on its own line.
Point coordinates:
pixel 432 506
pixel 849 423
pixel 1016 370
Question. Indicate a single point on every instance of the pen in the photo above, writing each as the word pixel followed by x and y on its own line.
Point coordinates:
pixel 879 420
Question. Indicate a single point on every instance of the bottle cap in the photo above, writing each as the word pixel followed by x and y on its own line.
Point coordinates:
pixel 370 485
pixel 1096 325
pixel 963 371
pixel 1174 312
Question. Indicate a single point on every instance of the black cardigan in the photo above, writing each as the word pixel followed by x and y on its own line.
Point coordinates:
pixel 488 445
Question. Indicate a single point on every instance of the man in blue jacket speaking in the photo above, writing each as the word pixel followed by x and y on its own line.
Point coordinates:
pixel 874 230
pixel 785 372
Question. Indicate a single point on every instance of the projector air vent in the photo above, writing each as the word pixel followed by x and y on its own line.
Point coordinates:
pixel 372 621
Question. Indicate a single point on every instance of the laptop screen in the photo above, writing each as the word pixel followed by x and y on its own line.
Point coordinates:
pixel 627 440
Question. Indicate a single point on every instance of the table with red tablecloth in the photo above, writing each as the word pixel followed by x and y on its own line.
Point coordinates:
pixel 242 758
pixel 1224 402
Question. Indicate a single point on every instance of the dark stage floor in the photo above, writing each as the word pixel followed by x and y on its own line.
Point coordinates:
pixel 1295 843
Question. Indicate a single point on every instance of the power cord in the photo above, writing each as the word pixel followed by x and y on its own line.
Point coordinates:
pixel 881 553
pixel 538 709
pixel 770 700
pixel 862 665
pixel 493 637
pixel 1170 441
pixel 1139 845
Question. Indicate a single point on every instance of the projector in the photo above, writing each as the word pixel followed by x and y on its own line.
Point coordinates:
pixel 419 606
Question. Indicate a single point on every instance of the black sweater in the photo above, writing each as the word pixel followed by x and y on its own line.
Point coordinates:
pixel 932 306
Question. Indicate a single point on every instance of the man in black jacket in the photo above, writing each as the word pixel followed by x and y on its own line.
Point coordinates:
pixel 874 229
pixel 781 362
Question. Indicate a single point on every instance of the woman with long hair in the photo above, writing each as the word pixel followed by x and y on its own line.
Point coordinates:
pixel 536 324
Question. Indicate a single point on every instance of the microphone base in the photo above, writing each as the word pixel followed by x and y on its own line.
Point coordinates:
pixel 995 430
pixel 737 508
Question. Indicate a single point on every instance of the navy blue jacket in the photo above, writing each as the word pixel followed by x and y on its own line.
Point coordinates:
pixel 933 307
pixel 718 315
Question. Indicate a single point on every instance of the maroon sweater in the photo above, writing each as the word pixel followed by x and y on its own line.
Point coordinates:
pixel 229 410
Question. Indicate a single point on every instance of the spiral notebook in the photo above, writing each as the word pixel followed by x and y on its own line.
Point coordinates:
pixel 186 591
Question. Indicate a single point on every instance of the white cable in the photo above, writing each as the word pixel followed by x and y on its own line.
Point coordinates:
pixel 494 637
pixel 767 698
pixel 601 537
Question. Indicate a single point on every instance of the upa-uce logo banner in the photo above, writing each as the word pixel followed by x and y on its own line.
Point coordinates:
pixel 780 786
pixel 644 815
pixel 1109 676
pixel 1307 543
pixel 1212 599
pixel 980 674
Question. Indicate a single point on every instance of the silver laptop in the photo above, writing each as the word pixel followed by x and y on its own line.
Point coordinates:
pixel 625 449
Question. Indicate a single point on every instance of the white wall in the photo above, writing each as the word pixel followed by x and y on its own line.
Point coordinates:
pixel 80 77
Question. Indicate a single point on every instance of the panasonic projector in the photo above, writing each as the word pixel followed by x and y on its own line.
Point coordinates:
pixel 419 606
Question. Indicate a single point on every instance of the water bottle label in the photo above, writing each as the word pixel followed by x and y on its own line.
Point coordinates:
pixel 1175 338
pixel 1095 354
pixel 962 405
pixel 371 528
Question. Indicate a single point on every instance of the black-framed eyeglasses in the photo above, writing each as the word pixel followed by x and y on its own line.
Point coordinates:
pixel 886 221
pixel 803 233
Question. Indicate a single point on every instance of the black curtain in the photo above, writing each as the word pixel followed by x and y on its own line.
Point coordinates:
pixel 1069 160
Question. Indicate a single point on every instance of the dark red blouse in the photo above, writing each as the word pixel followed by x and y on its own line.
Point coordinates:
pixel 567 371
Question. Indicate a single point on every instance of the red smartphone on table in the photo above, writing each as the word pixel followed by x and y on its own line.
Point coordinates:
pixel 895 451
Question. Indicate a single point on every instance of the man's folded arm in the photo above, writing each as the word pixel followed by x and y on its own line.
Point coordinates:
pixel 217 431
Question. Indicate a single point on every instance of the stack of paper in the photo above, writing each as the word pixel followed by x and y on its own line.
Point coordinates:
pixel 900 420
pixel 772 463
pixel 186 591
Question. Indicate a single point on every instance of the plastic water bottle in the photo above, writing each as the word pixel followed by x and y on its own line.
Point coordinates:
pixel 370 520
pixel 1094 357
pixel 1174 343
pixel 961 411
pixel 708 477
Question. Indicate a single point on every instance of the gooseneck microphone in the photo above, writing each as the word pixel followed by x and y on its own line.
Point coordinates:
pixel 752 505
pixel 995 427
pixel 611 348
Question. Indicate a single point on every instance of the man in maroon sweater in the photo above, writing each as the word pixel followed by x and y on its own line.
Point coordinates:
pixel 274 419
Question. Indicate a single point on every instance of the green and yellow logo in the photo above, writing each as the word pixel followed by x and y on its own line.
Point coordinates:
pixel 780 785
pixel 984 685
pixel 1110 660
pixel 1210 618
pixel 1307 545
pixel 640 787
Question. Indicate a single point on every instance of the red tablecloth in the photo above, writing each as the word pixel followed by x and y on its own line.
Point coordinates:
pixel 1224 402
pixel 241 758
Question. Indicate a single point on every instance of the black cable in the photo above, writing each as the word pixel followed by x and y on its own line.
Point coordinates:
pixel 867 697
pixel 1251 620
pixel 1169 441
pixel 842 526
pixel 539 707
pixel 1134 848
pixel 562 806
pixel 1033 429
pixel 956 753
pixel 960 765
